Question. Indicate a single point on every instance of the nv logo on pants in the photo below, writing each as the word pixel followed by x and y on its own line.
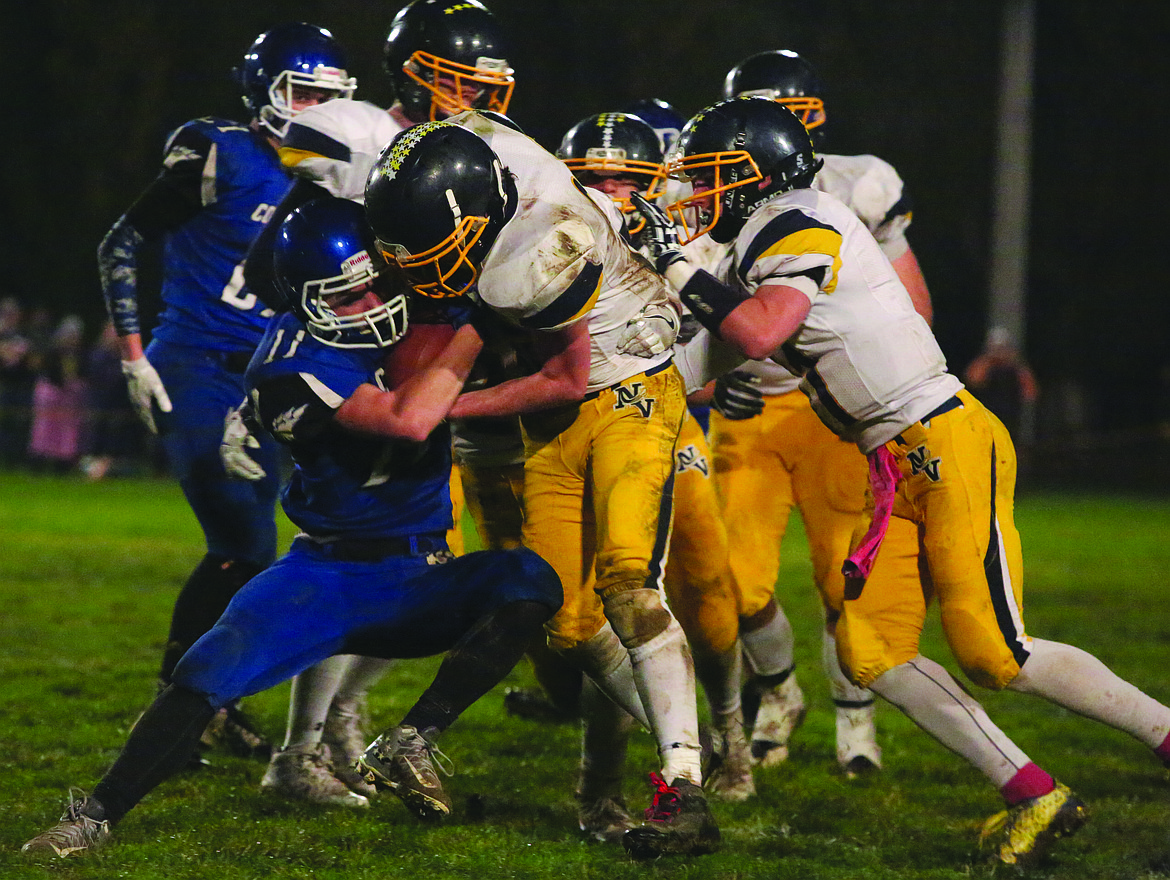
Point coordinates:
pixel 922 463
pixel 690 458
pixel 634 395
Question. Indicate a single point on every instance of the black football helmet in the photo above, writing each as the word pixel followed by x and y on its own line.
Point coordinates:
pixel 743 151
pixel 436 199
pixel 288 56
pixel 445 57
pixel 324 249
pixel 783 76
pixel 616 145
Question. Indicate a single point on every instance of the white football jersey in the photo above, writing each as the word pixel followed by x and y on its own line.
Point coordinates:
pixel 335 145
pixel 559 258
pixel 867 360
pixel 872 189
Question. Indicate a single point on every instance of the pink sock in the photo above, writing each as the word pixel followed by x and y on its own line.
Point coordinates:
pixel 1163 751
pixel 1029 782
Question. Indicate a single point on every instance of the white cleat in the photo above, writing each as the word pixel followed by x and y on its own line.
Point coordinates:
pixel 303 773
pixel 857 750
pixel 781 711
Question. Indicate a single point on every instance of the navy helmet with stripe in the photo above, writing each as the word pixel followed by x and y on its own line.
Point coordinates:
pixel 738 154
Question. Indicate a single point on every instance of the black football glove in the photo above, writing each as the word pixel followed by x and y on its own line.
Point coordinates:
pixel 737 397
pixel 660 237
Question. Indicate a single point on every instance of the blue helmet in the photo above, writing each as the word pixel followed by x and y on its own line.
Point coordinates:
pixel 324 249
pixel 289 56
pixel 662 117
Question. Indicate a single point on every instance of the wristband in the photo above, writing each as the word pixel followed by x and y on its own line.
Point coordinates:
pixel 710 300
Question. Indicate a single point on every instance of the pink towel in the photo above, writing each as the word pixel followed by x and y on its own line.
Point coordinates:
pixel 883 482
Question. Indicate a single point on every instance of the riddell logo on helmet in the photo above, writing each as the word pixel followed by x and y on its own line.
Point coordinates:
pixel 358 264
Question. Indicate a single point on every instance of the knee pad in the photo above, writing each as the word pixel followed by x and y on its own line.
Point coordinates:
pixel 636 614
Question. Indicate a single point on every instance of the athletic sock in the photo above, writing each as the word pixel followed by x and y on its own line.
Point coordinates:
pixel 159 746
pixel 478 662
pixel 1029 782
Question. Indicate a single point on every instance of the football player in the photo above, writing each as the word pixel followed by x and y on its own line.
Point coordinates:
pixel 473 207
pixel 617 154
pixel 220 183
pixel 441 58
pixel 371 568
pixel 806 284
pixel 772 454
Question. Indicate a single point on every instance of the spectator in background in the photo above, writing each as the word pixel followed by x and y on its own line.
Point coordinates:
pixel 58 400
pixel 115 439
pixel 18 363
pixel 1004 382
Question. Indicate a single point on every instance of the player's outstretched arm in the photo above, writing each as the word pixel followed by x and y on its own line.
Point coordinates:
pixel 562 379
pixel 415 407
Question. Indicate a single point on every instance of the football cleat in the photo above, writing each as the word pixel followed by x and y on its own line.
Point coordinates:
pixel 857 750
pixel 781 711
pixel 344 735
pixel 729 772
pixel 678 821
pixel 231 729
pixel 1022 834
pixel 74 834
pixel 404 761
pixel 604 820
pixel 303 773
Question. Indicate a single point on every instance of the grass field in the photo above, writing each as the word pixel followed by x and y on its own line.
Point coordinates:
pixel 88 573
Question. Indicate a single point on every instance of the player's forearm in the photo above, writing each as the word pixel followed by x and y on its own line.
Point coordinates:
pixel 416 407
pixel 517 396
pixel 118 273
pixel 562 379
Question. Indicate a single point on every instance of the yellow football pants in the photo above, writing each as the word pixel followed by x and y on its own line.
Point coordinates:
pixel 951 535
pixel 597 493
pixel 764 466
pixel 700 587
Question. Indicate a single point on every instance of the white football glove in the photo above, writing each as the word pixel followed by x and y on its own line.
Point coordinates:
pixel 652 331
pixel 233 448
pixel 146 389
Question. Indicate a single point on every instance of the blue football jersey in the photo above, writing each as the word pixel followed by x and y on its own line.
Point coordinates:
pixel 344 483
pixel 239 181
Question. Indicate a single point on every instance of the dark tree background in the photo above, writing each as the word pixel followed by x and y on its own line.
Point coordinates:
pixel 96 87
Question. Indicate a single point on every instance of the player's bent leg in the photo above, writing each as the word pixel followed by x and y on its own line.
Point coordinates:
pixel 404 759
pixel 1081 683
pixel 606 661
pixel 1040 809
pixel 663 671
pixel 602 814
pixel 858 752
pixel 773 697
